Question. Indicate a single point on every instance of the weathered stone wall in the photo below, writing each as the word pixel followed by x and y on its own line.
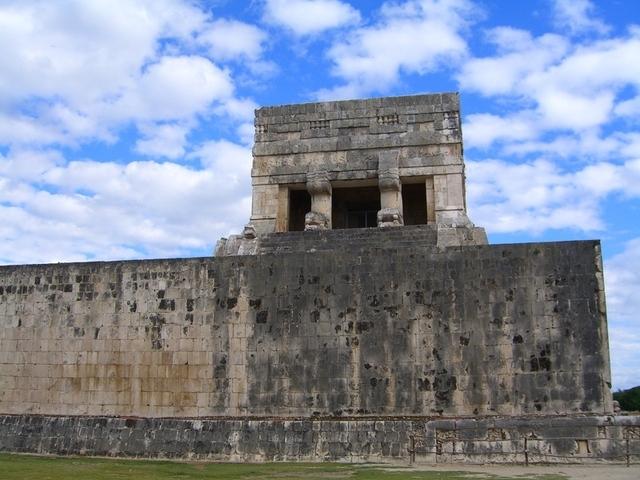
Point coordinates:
pixel 540 439
pixel 346 136
pixel 501 329
pixel 346 140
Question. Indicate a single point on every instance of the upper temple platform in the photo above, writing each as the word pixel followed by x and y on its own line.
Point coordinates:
pixel 381 162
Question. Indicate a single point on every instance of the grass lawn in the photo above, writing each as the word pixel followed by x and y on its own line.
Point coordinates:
pixel 25 467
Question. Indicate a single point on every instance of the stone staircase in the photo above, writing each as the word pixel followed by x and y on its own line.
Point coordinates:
pixel 415 236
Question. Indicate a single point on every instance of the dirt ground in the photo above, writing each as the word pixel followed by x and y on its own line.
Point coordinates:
pixel 584 472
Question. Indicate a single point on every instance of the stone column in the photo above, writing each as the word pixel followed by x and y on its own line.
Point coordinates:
pixel 449 200
pixel 431 200
pixel 282 217
pixel 390 214
pixel 319 187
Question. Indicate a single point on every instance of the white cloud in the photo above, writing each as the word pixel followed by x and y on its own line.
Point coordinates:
pixel 622 279
pixel 82 73
pixel 310 17
pixel 561 108
pixel 226 158
pixel 22 129
pixel 519 55
pixel 162 140
pixel 105 210
pixel 85 50
pixel 28 164
pixel 628 108
pixel 238 108
pixel 482 129
pixel 521 134
pixel 631 147
pixel 578 16
pixel 530 197
pixel 604 178
pixel 594 66
pixel 586 145
pixel 553 84
pixel 537 196
pixel 230 39
pixel 174 88
pixel 141 76
pixel 413 37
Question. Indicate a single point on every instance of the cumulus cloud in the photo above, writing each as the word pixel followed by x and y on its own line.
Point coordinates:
pixel 225 157
pixel 310 17
pixel 174 88
pixel 540 195
pixel 519 55
pixel 162 140
pixel 28 164
pixel 553 84
pixel 622 278
pixel 230 39
pixel 82 73
pixel 82 210
pixel 578 16
pixel 86 51
pixel 412 37
pixel 142 77
pixel 483 129
pixel 238 108
pixel 588 145
pixel 628 108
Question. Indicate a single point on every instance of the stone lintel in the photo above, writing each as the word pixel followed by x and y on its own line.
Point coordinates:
pixel 357 174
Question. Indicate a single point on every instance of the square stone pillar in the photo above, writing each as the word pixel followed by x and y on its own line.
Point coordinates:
pixel 319 187
pixel 390 214
pixel 431 200
pixel 264 208
pixel 282 218
pixel 449 200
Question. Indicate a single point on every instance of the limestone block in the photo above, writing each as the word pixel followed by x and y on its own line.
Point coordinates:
pixel 264 200
pixel 319 187
pixel 455 191
pixel 280 326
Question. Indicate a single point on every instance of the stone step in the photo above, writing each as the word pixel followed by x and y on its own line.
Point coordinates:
pixel 418 236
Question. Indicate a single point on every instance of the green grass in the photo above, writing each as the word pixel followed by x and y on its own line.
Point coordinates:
pixel 26 467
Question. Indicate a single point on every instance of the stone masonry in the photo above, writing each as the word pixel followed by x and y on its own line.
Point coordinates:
pixel 509 330
pixel 360 316
pixel 388 143
pixel 349 355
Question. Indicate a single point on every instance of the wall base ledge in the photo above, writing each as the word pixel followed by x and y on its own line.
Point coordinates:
pixel 533 439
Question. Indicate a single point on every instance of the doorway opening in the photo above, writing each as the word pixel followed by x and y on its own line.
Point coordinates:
pixel 414 203
pixel 299 206
pixel 355 207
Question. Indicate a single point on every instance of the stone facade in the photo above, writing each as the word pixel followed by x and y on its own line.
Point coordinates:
pixel 320 353
pixel 511 330
pixel 415 340
pixel 394 145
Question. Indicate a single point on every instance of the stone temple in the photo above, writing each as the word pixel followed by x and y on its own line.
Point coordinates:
pixel 384 162
pixel 360 316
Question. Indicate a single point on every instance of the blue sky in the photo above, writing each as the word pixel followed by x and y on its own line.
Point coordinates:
pixel 126 126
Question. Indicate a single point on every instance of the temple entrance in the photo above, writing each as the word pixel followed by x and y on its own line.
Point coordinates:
pixel 355 207
pixel 414 203
pixel 299 206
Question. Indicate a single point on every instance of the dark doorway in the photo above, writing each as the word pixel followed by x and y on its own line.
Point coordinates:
pixel 414 203
pixel 299 206
pixel 355 207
